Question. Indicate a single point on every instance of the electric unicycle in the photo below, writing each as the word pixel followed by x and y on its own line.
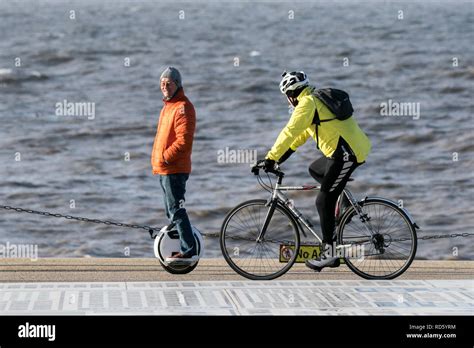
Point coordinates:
pixel 167 243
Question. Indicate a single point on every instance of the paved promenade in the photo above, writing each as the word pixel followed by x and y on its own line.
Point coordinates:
pixel 87 286
pixel 149 269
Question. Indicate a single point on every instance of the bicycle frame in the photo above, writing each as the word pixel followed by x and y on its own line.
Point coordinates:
pixel 279 197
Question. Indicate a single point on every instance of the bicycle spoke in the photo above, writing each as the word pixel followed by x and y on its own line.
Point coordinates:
pixel 260 259
pixel 390 248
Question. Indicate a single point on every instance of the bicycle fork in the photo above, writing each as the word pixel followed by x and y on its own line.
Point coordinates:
pixel 268 218
pixel 274 203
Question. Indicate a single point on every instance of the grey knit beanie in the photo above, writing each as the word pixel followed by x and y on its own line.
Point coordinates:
pixel 173 74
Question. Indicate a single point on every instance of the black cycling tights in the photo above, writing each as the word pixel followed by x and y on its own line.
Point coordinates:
pixel 332 174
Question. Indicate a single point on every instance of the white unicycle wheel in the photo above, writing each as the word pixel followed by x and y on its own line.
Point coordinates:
pixel 167 243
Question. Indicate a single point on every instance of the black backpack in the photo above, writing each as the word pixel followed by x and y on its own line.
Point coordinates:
pixel 337 101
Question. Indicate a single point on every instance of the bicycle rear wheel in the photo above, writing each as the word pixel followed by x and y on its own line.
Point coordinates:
pixel 259 261
pixel 383 246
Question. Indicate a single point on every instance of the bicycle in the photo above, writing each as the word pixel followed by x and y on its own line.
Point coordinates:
pixel 260 239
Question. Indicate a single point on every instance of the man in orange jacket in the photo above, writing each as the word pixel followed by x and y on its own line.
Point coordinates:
pixel 171 157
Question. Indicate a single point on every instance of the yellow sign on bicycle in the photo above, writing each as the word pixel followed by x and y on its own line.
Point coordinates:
pixel 306 252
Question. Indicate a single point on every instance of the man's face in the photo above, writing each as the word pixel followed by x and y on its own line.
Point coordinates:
pixel 168 87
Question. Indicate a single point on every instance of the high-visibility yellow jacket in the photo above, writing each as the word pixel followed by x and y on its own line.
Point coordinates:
pixel 300 127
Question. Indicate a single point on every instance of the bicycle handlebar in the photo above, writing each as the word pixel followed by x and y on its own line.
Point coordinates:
pixel 260 165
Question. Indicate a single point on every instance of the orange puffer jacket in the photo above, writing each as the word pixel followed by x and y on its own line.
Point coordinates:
pixel 174 137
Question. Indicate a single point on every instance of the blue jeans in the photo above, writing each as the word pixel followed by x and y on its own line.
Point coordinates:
pixel 174 188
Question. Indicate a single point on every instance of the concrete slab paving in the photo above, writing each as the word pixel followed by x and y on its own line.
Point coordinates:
pixel 125 286
pixel 283 297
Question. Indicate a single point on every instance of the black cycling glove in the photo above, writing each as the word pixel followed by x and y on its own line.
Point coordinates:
pixel 285 156
pixel 268 164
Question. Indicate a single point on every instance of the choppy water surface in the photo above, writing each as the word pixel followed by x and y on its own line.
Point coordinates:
pixel 238 106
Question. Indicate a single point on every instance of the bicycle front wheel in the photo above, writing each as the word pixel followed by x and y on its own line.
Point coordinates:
pixel 382 244
pixel 264 260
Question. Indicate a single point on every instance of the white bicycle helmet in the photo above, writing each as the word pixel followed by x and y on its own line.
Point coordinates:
pixel 293 80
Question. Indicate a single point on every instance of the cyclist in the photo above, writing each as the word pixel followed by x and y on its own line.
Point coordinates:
pixel 343 144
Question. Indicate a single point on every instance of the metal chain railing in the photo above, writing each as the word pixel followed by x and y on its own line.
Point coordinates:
pixel 151 229
pixel 452 235
pixel 439 236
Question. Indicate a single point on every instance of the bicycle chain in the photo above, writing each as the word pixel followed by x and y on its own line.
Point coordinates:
pixel 212 235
